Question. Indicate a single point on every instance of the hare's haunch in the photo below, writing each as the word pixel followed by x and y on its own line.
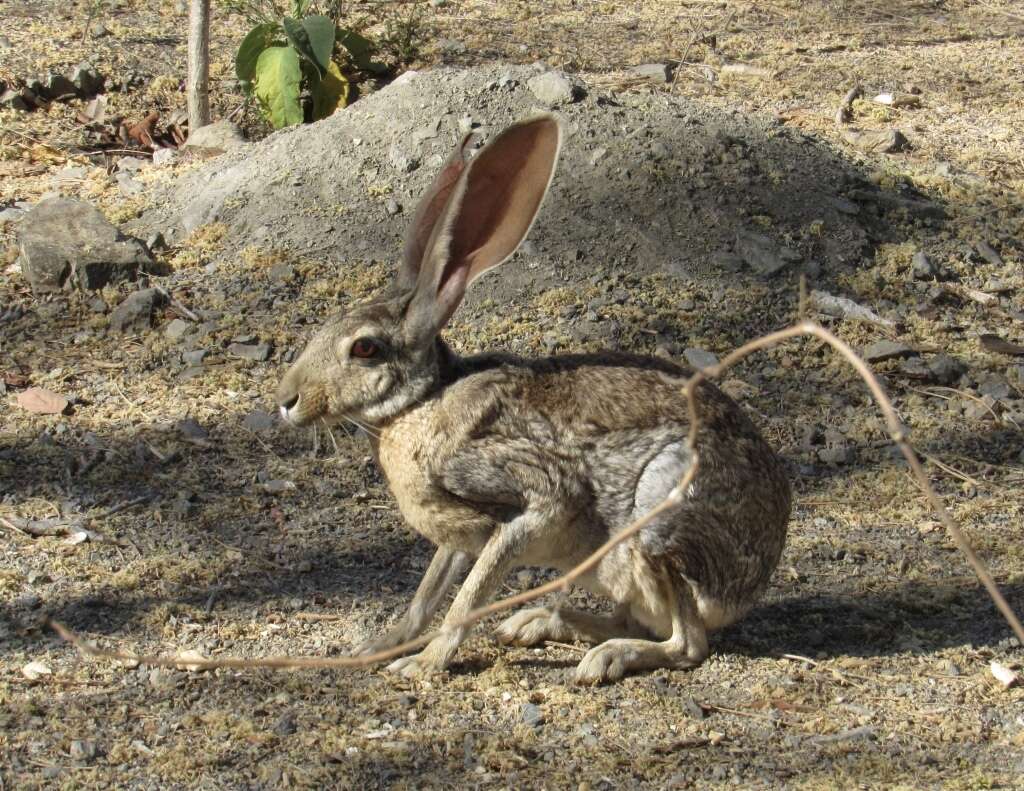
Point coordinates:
pixel 503 462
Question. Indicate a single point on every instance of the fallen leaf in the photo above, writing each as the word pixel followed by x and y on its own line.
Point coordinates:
pixel 1008 678
pixel 142 132
pixel 190 657
pixel 42 401
pixel 34 670
pixel 995 344
pixel 12 379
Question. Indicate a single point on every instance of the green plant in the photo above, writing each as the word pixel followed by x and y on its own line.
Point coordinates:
pixel 283 56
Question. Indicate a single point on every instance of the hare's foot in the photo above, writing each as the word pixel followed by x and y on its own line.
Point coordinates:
pixel 432 659
pixel 686 647
pixel 537 624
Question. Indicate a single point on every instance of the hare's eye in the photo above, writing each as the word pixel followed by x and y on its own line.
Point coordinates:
pixel 365 348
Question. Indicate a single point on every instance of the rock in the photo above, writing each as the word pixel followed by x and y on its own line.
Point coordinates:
pixel 727 260
pixel 257 352
pixel 401 161
pixel 155 242
pixel 5 43
pixel 98 30
pixel 837 454
pixel 996 387
pixel 165 156
pixel 392 207
pixel 67 176
pixel 654 72
pixel 982 409
pixel 552 88
pixel 83 750
pixel 14 100
pixel 190 429
pixel 129 164
pixel 194 357
pixel 222 135
pixel 176 329
pixel 258 420
pixel 128 186
pixel 12 214
pixel 887 350
pixel 698 358
pixel 86 81
pixel 922 268
pixel 58 87
pixel 65 241
pixel 763 254
pixel 986 251
pixel 532 715
pixel 135 313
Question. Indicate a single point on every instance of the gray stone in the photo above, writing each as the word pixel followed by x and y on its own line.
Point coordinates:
pixel 128 186
pixel 258 420
pixel 654 72
pixel 552 88
pixel 83 750
pixel 946 370
pixel 176 329
pixel 699 358
pixel 14 100
pixel 67 176
pixel 58 87
pixel 532 715
pixel 135 313
pixel 98 30
pixel 129 164
pixel 70 241
pixel 194 357
pixel 986 251
pixel 5 43
pixel 190 429
pixel 86 81
pixel 222 135
pixel 155 242
pixel 763 254
pixel 11 214
pixel 257 352
pixel 887 350
pixel 165 156
pixel 922 268
pixel 996 387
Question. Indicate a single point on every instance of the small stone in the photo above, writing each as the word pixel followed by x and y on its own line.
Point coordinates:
pixel 176 329
pixel 946 370
pixel 915 368
pixel 5 43
pixel 11 215
pixel 155 242
pixel 699 358
pixel 392 207
pixel 552 88
pixel 129 164
pixel 402 161
pixel 921 267
pixel 598 154
pixel 98 30
pixel 996 387
pixel 135 313
pixel 259 352
pixel 83 750
pixel 887 350
pixel 258 420
pixel 128 186
pixel 14 100
pixel 763 254
pixel 86 81
pixel 190 429
pixel 532 715
pixel 221 135
pixel 194 357
pixel 838 455
pixel 165 156
pixel 986 251
pixel 653 72
pixel 981 409
pixel 286 726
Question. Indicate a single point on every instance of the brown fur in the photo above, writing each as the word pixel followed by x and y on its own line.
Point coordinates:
pixel 537 462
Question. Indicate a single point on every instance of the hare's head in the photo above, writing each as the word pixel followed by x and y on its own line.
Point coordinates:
pixel 380 357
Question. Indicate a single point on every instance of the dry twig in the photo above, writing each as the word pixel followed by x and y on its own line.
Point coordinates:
pixel 561 585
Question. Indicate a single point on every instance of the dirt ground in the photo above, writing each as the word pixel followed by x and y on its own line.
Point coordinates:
pixel 867 664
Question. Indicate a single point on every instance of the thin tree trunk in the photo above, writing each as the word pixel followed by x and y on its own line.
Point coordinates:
pixel 198 89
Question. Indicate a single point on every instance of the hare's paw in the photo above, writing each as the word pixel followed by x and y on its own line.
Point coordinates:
pixel 604 663
pixel 531 626
pixel 432 659
pixel 395 636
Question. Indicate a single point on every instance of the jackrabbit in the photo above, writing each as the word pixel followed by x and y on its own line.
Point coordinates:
pixel 503 462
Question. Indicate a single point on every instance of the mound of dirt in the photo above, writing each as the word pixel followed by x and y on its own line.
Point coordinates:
pixel 646 182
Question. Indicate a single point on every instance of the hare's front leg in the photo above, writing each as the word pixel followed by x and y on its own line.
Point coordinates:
pixel 445 568
pixel 537 624
pixel 498 556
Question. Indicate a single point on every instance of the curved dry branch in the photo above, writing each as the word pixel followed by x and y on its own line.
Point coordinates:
pixel 896 431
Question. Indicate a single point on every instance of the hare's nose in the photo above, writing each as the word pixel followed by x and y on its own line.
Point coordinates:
pixel 286 405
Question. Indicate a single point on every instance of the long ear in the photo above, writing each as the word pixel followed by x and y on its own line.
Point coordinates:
pixel 490 211
pixel 427 214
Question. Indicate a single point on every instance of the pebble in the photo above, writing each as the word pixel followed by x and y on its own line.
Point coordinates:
pixel 83 750
pixel 552 88
pixel 763 254
pixel 945 369
pixel 922 268
pixel 259 352
pixel 165 156
pixel 176 329
pixel 699 358
pixel 986 251
pixel 98 30
pixel 654 72
pixel 532 715
pixel 258 420
pixel 887 350
pixel 190 429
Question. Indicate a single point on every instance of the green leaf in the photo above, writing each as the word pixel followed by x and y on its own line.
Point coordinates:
pixel 361 49
pixel 300 7
pixel 320 31
pixel 257 40
pixel 330 93
pixel 278 76
pixel 299 37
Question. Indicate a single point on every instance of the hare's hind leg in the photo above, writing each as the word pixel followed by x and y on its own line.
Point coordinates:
pixel 537 624
pixel 686 647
